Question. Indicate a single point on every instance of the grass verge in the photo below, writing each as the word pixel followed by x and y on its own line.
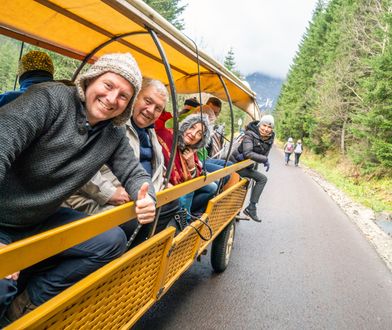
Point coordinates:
pixel 370 192
pixel 373 193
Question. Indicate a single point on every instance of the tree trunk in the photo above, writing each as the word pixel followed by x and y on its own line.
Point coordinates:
pixel 342 137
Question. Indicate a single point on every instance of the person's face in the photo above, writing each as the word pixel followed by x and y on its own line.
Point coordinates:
pixel 193 134
pixel 215 108
pixel 148 107
pixel 107 97
pixel 265 130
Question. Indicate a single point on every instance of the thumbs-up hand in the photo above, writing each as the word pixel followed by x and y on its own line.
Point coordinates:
pixel 145 205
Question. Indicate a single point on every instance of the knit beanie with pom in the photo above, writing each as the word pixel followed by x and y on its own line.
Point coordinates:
pixel 35 60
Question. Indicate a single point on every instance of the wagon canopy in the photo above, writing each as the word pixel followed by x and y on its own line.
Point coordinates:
pixel 74 28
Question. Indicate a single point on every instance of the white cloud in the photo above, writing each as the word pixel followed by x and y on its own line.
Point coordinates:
pixel 263 33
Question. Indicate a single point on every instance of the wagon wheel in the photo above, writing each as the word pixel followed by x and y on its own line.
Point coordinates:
pixel 222 247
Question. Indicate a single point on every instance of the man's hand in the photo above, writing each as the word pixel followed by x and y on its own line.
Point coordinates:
pixel 267 165
pixel 13 276
pixel 145 206
pixel 119 197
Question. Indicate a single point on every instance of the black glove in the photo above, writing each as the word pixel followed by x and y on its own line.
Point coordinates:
pixel 240 157
pixel 267 165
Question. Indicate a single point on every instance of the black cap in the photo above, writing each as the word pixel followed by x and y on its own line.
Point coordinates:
pixel 192 102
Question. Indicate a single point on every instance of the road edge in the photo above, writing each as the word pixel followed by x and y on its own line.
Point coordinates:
pixel 362 216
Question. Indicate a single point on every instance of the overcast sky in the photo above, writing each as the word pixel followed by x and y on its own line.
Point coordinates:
pixel 264 34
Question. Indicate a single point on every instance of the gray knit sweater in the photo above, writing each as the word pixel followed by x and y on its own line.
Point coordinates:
pixel 47 153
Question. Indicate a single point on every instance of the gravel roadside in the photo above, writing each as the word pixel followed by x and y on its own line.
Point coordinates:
pixel 363 217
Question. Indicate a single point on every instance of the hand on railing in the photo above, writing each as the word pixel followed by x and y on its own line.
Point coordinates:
pixel 145 205
pixel 119 197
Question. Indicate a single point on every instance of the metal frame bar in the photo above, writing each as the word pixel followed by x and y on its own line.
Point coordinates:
pixel 175 118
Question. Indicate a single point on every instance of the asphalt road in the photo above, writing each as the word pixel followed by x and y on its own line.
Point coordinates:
pixel 306 266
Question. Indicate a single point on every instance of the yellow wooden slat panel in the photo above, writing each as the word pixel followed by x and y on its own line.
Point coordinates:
pixel 222 209
pixel 17 256
pixel 112 297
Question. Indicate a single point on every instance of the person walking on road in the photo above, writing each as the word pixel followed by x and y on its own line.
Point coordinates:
pixel 288 150
pixel 297 152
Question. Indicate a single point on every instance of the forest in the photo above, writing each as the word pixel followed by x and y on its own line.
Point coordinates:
pixel 337 96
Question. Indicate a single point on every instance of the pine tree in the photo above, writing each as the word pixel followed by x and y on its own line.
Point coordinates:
pixel 225 116
pixel 169 9
pixel 229 63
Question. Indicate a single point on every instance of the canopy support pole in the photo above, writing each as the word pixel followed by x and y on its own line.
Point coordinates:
pixel 175 119
pixel 231 126
pixel 20 56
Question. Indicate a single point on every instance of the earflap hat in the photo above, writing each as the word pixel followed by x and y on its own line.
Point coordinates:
pixel 190 121
pixel 121 64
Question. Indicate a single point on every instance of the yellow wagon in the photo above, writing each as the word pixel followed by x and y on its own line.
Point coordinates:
pixel 118 294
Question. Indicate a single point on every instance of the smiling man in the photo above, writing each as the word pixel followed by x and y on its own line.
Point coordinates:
pixel 104 191
pixel 53 139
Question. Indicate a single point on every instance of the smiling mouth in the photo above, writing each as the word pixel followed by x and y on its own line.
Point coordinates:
pixel 146 116
pixel 104 106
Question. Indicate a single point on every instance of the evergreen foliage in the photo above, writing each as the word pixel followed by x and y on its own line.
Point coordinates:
pixel 169 9
pixel 64 67
pixel 225 115
pixel 338 90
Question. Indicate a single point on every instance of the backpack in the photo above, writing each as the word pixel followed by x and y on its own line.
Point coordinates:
pixel 289 148
pixel 236 145
pixel 298 149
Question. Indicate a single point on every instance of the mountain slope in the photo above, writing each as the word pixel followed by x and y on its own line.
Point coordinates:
pixel 267 89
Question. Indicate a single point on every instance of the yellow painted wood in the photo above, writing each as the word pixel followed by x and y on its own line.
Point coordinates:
pixel 183 253
pixel 116 295
pixel 18 256
pixel 74 28
pixel 223 208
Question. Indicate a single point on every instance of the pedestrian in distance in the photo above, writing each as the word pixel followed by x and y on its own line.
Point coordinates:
pixel 288 150
pixel 297 152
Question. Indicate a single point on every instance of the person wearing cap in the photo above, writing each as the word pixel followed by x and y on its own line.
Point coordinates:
pixel 217 134
pixel 34 67
pixel 190 104
pixel 166 119
pixel 297 152
pixel 65 134
pixel 288 149
pixel 256 145
pixel 215 104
